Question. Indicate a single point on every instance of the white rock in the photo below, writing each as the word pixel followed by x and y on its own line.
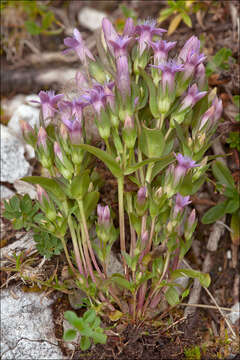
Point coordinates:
pixel 90 18
pixel 23 188
pixel 24 112
pixel 71 345
pixel 10 106
pixel 13 163
pixel 26 242
pixel 235 314
pixel 35 97
pixel 27 329
pixel 229 254
pixel 5 192
pixel 61 76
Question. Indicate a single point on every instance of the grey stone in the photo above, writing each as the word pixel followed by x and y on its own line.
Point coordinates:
pixel 9 106
pixel 23 188
pixel 90 18
pixel 71 345
pixel 5 192
pixel 27 329
pixel 114 265
pixel 76 297
pixel 13 163
pixel 234 316
pixel 26 242
pixel 24 112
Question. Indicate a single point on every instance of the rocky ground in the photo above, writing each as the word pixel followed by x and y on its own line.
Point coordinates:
pixel 32 311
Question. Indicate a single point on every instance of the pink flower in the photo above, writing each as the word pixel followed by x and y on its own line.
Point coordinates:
pixel 76 43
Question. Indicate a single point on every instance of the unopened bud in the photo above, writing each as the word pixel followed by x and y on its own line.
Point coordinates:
pixel 142 195
pixel 42 138
pixel 58 151
pixel 103 215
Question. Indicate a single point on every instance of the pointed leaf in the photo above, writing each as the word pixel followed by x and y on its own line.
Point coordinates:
pixel 172 296
pixel 215 213
pixel 174 24
pixel 85 343
pixel 108 160
pixel 203 278
pixel 222 174
pixel 69 335
pixel 152 93
pixel 151 142
pixel 48 184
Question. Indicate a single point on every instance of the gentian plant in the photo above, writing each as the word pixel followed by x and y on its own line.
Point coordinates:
pixel 156 122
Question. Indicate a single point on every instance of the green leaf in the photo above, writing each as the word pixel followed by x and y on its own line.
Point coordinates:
pixel 232 206
pixel 121 281
pixel 89 316
pixel 174 24
pixel 186 18
pixel 222 174
pixel 99 337
pixel 172 296
pixel 90 202
pixel 32 27
pixel 79 185
pixel 188 187
pixel 108 160
pixel 152 93
pixel 47 20
pixel 161 164
pixel 69 335
pixel 85 343
pixel 151 142
pixel 48 184
pixel 203 278
pixel 133 168
pixel 215 213
pixel 180 134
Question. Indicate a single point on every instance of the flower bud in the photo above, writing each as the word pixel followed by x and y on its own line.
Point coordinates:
pixel 142 195
pixel 28 133
pixel 103 215
pixel 190 225
pixel 144 237
pixel 129 132
pixel 46 204
pixel 42 138
pixel 181 202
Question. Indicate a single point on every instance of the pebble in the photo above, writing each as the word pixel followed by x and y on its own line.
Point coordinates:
pixel 90 18
pixel 13 163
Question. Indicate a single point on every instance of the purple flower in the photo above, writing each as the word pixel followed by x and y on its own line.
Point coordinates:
pixel 181 202
pixel 42 138
pixel 76 43
pixel 58 151
pixel 213 113
pixel 201 75
pixel 119 45
pixel 192 97
pixel 192 45
pixel 129 27
pixel 110 33
pixel 81 81
pixel 103 213
pixel 123 77
pixel 99 95
pixel 184 164
pixel 49 101
pixel 71 115
pixel 146 30
pixel 168 73
pixel 193 60
pixel 142 195
pixel 218 108
pixel 161 49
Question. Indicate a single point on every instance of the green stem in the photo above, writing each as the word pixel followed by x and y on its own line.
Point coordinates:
pixel 67 255
pixel 108 146
pixel 141 173
pixel 149 172
pixel 86 235
pixel 75 245
pixel 121 220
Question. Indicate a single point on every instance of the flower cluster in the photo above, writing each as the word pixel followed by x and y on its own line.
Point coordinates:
pixel 156 121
